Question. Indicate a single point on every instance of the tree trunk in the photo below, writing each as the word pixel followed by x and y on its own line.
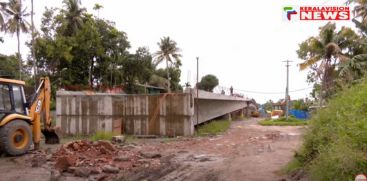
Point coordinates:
pixel 19 56
pixel 169 80
pixel 33 48
pixel 320 99
pixel 90 74
pixel 325 83
pixel 91 68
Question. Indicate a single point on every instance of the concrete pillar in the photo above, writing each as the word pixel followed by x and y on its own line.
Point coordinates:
pixel 242 113
pixel 248 109
pixel 227 116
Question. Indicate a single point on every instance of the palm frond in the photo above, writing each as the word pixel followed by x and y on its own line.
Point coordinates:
pixel 311 61
pixel 343 58
pixel 361 57
pixel 158 60
pixel 168 50
pixel 24 27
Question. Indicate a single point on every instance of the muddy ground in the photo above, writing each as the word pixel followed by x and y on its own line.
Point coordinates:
pixel 247 151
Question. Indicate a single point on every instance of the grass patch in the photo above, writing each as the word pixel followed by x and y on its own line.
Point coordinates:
pixel 102 136
pixel 283 122
pixel 67 139
pixel 292 166
pixel 213 127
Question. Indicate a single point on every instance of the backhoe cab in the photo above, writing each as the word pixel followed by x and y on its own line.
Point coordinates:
pixel 20 121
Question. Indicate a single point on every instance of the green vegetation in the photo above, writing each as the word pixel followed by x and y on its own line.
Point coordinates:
pixel 301 104
pixel 283 122
pixel 15 24
pixel 213 127
pixel 79 51
pixel 208 82
pixel 329 56
pixel 102 136
pixel 335 145
pixel 9 66
pixel 336 58
pixel 170 53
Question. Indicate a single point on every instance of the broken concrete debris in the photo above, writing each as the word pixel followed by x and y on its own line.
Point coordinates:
pixel 150 154
pixel 122 158
pixel 96 160
pixel 82 172
pixel 119 139
pixel 110 169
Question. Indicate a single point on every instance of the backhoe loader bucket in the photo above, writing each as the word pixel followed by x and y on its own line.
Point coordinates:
pixel 51 135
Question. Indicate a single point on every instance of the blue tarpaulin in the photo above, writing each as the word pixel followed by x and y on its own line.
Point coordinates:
pixel 299 114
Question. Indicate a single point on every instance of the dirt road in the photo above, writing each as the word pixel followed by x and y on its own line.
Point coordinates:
pixel 247 151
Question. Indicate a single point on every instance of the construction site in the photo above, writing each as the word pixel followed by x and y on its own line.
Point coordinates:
pixel 152 137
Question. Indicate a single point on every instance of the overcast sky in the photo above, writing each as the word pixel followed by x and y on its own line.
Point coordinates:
pixel 242 42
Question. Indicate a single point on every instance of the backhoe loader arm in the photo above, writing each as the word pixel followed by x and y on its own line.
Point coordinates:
pixel 41 105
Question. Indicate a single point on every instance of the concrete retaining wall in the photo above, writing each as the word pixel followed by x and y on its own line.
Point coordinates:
pixel 86 113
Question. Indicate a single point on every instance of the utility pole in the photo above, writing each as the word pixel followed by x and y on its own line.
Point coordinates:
pixel 287 91
pixel 197 90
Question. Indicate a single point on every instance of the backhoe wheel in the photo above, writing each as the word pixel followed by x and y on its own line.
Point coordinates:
pixel 15 137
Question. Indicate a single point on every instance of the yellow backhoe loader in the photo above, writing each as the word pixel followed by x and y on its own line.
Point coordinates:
pixel 20 120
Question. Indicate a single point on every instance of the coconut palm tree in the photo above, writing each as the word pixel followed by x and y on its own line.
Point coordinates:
pixel 322 54
pixel 3 15
pixel 170 53
pixel 359 11
pixel 354 69
pixel 33 50
pixel 97 7
pixel 17 23
pixel 73 16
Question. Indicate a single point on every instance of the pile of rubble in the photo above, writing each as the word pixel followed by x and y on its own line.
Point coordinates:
pixel 101 158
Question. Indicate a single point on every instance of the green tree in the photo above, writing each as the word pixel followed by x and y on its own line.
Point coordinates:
pixel 323 53
pixel 173 83
pixel 17 23
pixel 168 52
pixel 115 46
pixel 300 104
pixel 268 106
pixel 208 82
pixel 73 16
pixel 88 53
pixel 145 58
pixel 137 68
pixel 9 66
pixel 354 69
pixel 360 14
pixel 97 7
